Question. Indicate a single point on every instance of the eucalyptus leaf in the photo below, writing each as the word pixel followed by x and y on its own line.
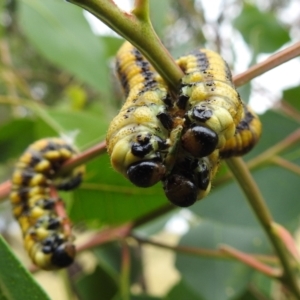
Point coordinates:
pixel 60 32
pixel 16 283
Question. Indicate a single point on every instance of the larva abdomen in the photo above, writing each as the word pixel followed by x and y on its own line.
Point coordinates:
pixel 247 134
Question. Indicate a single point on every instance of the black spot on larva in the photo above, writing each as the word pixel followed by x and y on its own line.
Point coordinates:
pixel 142 146
pixel 227 72
pixel 54 223
pixel 202 60
pixel 48 203
pixel 165 120
pixel 168 101
pixel 70 183
pixel 245 122
pixel 182 101
pixel 201 114
pixel 122 77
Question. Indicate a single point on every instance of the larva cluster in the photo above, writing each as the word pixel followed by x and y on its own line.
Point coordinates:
pixel 178 140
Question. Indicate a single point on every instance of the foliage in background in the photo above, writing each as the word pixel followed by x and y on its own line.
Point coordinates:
pixel 56 78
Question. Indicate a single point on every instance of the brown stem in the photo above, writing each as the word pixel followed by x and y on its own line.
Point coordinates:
pixel 257 203
pixel 272 62
pixel 251 261
pixel 211 253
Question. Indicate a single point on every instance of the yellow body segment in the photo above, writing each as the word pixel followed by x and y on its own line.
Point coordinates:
pixel 247 135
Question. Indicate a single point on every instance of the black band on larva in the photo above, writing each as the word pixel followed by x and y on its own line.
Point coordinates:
pixel 45 238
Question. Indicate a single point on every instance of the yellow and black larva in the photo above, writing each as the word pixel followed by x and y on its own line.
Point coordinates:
pixel 138 139
pixel 47 237
pixel 179 142
pixel 212 104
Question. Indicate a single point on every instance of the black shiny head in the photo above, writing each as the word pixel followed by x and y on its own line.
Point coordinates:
pixel 199 141
pixel 180 190
pixel 63 255
pixel 146 173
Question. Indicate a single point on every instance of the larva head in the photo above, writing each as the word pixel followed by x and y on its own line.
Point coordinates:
pixel 54 252
pixel 209 127
pixel 63 255
pixel 189 181
pixel 146 173
pixel 139 158
pixel 199 141
pixel 180 190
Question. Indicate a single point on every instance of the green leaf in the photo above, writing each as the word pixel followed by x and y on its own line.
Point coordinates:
pixel 138 297
pixel 218 279
pixel 15 280
pixel 247 296
pixel 292 97
pixel 182 291
pixel 109 257
pixel 158 15
pixel 144 297
pixel 228 205
pixel 262 31
pixel 261 287
pixel 98 285
pixel 264 284
pixel 60 32
pixel 11 141
pixel 112 44
pixel 80 123
pixel 155 225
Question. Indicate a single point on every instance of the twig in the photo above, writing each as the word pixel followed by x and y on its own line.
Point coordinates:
pixel 256 201
pixel 285 164
pixel 251 261
pixel 125 272
pixel 210 253
pixel 272 62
